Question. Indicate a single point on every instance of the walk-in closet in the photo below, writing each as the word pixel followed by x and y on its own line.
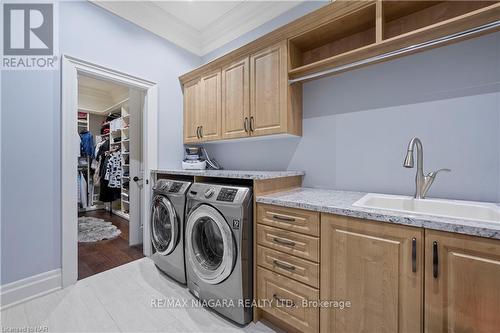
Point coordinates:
pixel 109 127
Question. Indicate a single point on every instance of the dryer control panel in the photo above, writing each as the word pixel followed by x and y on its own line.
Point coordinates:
pixel 227 194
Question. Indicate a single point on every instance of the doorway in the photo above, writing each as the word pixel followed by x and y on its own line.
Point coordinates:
pixel 95 98
pixel 109 206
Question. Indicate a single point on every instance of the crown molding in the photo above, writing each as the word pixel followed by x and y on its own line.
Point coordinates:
pixel 151 17
pixel 244 18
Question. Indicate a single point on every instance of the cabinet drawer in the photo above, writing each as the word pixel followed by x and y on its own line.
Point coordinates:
pixel 290 266
pixel 284 298
pixel 303 246
pixel 292 219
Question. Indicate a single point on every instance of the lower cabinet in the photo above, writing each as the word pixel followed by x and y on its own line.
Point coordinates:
pixel 288 300
pixel 462 283
pixel 373 276
pixel 378 269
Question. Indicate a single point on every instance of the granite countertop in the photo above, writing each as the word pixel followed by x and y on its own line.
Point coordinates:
pixel 340 203
pixel 234 174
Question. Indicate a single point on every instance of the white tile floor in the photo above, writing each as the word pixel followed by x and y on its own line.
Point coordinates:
pixel 119 300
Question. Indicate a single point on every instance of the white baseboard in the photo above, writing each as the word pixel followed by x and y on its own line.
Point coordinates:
pixel 31 287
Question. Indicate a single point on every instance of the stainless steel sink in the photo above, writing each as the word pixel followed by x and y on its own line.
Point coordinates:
pixel 466 210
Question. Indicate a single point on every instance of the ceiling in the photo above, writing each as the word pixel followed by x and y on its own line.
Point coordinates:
pixel 198 26
pixel 99 96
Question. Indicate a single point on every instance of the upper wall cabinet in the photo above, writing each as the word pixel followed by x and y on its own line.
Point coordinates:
pixel 202 108
pixel 235 99
pixel 268 92
pixel 192 107
pixel 256 89
pixel 210 112
pixel 248 97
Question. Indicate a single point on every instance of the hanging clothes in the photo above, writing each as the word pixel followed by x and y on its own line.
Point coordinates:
pixel 114 170
pixel 106 193
pixel 86 143
pixel 83 190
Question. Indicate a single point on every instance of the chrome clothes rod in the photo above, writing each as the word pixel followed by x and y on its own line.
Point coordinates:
pixel 404 50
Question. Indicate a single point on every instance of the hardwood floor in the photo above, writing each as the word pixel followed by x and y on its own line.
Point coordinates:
pixel 101 256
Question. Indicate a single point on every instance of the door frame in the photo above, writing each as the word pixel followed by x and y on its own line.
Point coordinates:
pixel 71 67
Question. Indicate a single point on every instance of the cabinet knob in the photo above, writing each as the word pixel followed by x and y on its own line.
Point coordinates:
pixel 251 124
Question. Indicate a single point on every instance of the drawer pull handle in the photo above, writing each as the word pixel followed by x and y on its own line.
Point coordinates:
pixel 284 265
pixel 413 254
pixel 284 241
pixel 435 260
pixel 283 218
pixel 288 302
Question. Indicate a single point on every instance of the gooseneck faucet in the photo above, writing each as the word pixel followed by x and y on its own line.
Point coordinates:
pixel 422 182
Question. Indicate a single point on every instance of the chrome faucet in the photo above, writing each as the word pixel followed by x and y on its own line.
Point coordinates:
pixel 422 182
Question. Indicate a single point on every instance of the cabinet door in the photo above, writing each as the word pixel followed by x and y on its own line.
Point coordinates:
pixel 268 91
pixel 235 100
pixel 210 112
pixel 378 268
pixel 462 283
pixel 192 105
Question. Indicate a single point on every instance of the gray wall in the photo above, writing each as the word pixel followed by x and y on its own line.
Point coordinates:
pixel 30 128
pixel 357 125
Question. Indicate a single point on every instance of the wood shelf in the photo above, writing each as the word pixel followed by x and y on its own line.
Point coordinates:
pixel 341 35
pixel 425 21
pixel 400 17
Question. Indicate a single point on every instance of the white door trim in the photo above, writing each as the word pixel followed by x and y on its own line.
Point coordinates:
pixel 71 67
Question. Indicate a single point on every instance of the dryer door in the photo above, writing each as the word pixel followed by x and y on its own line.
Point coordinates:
pixel 211 250
pixel 164 225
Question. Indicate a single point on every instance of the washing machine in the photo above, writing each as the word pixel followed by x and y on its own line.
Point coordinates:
pixel 167 227
pixel 218 248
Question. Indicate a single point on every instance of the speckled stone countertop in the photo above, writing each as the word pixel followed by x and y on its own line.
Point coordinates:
pixel 340 203
pixel 235 174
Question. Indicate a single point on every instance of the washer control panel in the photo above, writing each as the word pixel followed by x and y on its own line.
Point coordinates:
pixel 175 187
pixel 227 194
pixel 168 186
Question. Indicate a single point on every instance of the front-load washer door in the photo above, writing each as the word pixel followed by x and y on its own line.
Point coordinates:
pixel 164 225
pixel 211 250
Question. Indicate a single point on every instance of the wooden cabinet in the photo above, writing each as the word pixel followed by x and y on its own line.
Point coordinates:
pixel 287 276
pixel 390 278
pixel 210 113
pixel 192 108
pixel 287 300
pixel 202 108
pixel 247 97
pixel 268 85
pixel 378 268
pixel 236 99
pixel 462 283
pixel 292 219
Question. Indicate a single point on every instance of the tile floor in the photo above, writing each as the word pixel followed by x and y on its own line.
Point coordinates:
pixel 119 300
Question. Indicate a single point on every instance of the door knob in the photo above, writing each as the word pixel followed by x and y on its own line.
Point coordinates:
pixel 136 179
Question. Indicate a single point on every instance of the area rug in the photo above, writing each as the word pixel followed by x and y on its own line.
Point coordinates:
pixel 91 229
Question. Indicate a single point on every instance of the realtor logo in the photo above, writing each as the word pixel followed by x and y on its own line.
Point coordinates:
pixel 28 29
pixel 29 36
